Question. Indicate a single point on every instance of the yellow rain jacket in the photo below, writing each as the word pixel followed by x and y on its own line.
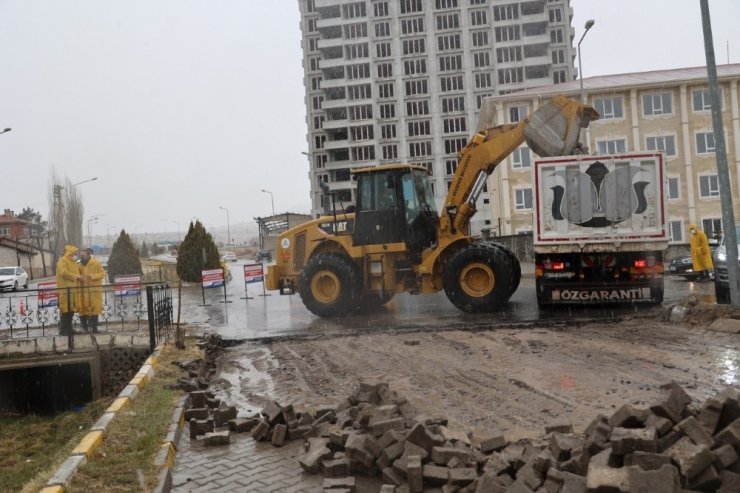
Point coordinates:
pixel 67 273
pixel 91 299
pixel 701 255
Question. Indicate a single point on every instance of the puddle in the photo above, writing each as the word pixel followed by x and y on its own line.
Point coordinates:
pixel 249 376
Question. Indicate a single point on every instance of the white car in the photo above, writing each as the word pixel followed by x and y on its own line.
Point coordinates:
pixel 229 257
pixel 12 278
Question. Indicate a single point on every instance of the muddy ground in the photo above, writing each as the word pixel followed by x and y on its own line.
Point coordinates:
pixel 517 379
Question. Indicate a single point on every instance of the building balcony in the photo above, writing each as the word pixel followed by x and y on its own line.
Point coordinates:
pixel 535 17
pixel 334 103
pixel 325 63
pixel 332 83
pixel 535 39
pixel 535 60
pixel 335 124
pixel 330 145
pixel 326 43
pixel 329 23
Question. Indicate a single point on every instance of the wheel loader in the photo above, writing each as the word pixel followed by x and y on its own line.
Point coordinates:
pixel 393 240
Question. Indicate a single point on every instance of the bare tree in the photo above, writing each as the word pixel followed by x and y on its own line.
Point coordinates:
pixel 65 214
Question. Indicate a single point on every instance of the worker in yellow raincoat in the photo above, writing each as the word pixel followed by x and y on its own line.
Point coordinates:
pixel 701 255
pixel 91 299
pixel 68 280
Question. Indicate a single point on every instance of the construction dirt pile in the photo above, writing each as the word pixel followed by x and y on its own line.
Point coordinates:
pixel 672 445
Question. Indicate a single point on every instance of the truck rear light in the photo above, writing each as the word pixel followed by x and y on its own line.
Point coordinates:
pixel 641 263
pixel 558 266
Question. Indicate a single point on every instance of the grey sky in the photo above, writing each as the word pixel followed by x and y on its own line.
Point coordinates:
pixel 182 106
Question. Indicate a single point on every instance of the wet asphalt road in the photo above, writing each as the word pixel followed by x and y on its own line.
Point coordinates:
pixel 275 315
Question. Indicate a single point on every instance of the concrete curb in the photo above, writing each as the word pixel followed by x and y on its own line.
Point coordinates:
pixel 165 458
pixel 90 442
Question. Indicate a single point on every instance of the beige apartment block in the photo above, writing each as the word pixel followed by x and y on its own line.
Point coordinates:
pixel 666 110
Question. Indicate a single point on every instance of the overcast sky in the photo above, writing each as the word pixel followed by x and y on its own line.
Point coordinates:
pixel 182 106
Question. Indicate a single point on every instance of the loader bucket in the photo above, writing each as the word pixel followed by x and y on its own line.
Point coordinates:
pixel 553 129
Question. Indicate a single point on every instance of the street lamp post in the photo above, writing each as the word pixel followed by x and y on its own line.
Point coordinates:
pixel 272 201
pixel 589 24
pixel 5 130
pixel 228 226
pixel 92 219
pixel 85 181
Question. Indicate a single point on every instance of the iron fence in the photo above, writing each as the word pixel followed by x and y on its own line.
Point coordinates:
pixel 159 310
pixel 35 312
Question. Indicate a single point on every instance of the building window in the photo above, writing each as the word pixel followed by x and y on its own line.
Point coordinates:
pixel 449 42
pixel 556 36
pixel 364 153
pixel 511 75
pixel 454 125
pixel 416 86
pixel 352 31
pixel 354 10
pixel 609 108
pixel 412 46
pixel 507 33
pixel 708 186
pixel 383 50
pixel 674 188
pixel 385 70
pixel 505 12
pixel 358 134
pixel 702 101
pixel 523 199
pixel 382 29
pixel 556 15
pixel 446 4
pixel 675 231
pixel 450 166
pixel 558 77
pixel 414 108
pixel 385 90
pixel 358 71
pixel 704 142
pixel 510 54
pixel 390 151
pixel 657 104
pixel 478 18
pixel 387 111
pixel 448 21
pixel 558 56
pixel 380 9
pixel 482 80
pixel 517 113
pixel 521 158
pixel 417 128
pixel 455 83
pixel 666 143
pixel 481 59
pixel 410 6
pixel 388 131
pixel 413 25
pixel 614 146
pixel 479 99
pixel 712 227
pixel 418 149
pixel 453 104
pixel 480 38
pixel 453 146
pixel 364 112
pixel 5 231
pixel 450 62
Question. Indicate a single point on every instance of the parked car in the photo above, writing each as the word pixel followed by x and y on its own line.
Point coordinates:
pixel 264 255
pixel 721 281
pixel 12 278
pixel 684 266
pixel 229 257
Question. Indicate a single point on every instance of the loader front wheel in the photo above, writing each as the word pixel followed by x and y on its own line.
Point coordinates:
pixel 478 278
pixel 329 285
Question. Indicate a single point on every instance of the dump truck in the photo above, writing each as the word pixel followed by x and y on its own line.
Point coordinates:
pixel 600 229
pixel 393 240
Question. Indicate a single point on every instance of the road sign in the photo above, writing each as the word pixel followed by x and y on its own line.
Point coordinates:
pixel 253 273
pixel 127 285
pixel 212 278
pixel 48 295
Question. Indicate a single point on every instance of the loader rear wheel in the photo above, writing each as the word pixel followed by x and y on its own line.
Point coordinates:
pixel 329 285
pixel 478 278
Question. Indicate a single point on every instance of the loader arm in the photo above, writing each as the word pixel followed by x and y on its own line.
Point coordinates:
pixel 552 130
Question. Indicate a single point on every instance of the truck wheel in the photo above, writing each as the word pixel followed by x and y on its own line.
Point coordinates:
pixel 478 278
pixel 329 285
pixel 516 268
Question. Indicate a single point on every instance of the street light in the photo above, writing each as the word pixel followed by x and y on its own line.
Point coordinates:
pixel 6 130
pixel 91 219
pixel 85 181
pixel 272 201
pixel 228 226
pixel 589 24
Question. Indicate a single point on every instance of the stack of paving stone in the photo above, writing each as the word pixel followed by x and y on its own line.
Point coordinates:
pixel 670 447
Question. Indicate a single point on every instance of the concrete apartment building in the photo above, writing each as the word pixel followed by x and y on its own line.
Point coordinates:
pixel 402 80
pixel 667 110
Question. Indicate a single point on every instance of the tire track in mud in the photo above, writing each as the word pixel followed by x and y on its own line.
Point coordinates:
pixel 515 379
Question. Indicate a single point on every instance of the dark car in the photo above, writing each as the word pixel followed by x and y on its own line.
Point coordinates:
pixel 264 255
pixel 721 280
pixel 684 266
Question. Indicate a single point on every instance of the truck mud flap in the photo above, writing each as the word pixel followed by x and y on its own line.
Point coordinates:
pixel 555 295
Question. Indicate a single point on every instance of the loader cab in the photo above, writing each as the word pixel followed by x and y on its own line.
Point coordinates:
pixel 395 204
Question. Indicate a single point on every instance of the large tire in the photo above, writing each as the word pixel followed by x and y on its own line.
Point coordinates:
pixel 478 278
pixel 516 268
pixel 329 285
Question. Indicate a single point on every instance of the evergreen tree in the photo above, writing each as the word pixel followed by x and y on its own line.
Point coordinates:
pixel 144 250
pixel 197 252
pixel 156 249
pixel 124 259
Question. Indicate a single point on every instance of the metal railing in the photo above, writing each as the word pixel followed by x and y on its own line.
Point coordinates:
pixel 160 313
pixel 35 312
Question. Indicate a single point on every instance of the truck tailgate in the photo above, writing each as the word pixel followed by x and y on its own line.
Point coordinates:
pixel 600 199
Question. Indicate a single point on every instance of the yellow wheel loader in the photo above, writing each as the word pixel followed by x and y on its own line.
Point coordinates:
pixel 393 240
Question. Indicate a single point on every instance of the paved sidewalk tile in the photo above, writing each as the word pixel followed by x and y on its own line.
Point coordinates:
pixel 246 466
